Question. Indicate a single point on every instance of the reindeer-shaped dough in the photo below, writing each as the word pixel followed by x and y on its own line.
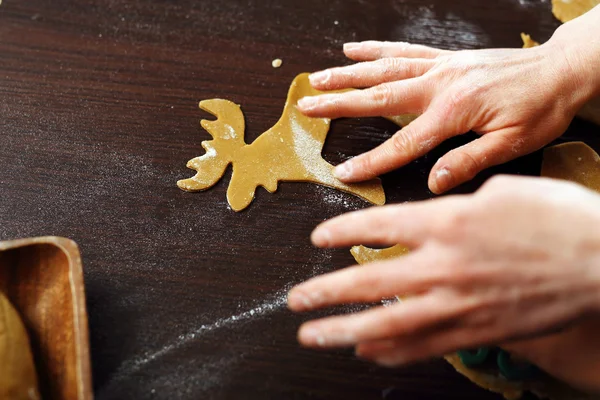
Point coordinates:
pixel 289 151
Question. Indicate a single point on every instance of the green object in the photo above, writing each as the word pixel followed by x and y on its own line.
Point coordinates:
pixel 473 358
pixel 508 368
pixel 513 371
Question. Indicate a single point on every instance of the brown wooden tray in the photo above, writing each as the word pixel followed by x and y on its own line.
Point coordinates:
pixel 42 277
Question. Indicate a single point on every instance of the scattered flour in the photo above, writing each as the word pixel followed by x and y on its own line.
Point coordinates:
pixel 425 26
pixel 262 310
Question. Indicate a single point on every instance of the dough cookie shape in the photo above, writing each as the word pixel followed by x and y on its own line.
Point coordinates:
pixel 18 379
pixel 290 151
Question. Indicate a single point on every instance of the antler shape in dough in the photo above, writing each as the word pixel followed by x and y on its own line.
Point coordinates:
pixel 289 151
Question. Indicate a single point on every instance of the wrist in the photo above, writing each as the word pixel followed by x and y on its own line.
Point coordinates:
pixel 575 51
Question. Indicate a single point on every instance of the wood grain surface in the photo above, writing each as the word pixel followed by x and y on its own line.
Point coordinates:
pixel 98 116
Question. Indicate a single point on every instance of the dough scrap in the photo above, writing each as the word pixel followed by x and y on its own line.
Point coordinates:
pixel 290 151
pixel 573 161
pixel 566 10
pixel 18 379
pixel 528 42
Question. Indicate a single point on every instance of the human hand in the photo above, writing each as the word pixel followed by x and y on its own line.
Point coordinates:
pixel 518 100
pixel 519 257
pixel 573 355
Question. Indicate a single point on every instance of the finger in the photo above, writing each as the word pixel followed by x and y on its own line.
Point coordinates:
pixel 408 224
pixel 373 50
pixel 411 142
pixel 422 346
pixel 392 98
pixel 404 318
pixel 412 273
pixel 464 163
pixel 368 74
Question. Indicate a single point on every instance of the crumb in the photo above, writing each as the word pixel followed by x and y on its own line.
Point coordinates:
pixel 277 63
pixel 336 22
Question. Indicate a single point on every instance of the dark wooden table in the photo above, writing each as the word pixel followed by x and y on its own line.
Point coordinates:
pixel 98 116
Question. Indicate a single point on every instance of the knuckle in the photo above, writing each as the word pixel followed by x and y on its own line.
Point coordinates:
pixel 454 225
pixel 403 143
pixel 390 65
pixel 456 100
pixel 382 95
pixel 469 165
pixel 498 183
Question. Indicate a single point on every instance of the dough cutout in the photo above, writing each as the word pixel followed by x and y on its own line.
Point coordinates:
pixel 566 10
pixel 528 42
pixel 573 161
pixel 290 151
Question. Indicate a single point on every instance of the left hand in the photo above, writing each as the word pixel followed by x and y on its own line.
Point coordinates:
pixel 518 258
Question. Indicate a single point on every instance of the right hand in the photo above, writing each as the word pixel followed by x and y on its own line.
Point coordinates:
pixel 518 100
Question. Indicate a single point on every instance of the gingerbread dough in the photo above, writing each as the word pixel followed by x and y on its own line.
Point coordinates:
pixel 574 161
pixel 289 151
pixel 18 378
pixel 528 42
pixel 566 10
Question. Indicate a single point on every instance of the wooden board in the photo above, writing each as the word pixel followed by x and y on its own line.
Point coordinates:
pixel 98 116
pixel 43 280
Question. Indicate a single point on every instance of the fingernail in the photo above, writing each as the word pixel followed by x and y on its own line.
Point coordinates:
pixel 442 180
pixel 298 301
pixel 313 336
pixel 343 171
pixel 397 360
pixel 307 103
pixel 320 78
pixel 351 46
pixel 321 237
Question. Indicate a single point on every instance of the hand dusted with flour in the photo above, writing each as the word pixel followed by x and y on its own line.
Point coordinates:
pixel 289 151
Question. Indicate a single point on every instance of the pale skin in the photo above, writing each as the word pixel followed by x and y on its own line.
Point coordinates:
pixel 519 259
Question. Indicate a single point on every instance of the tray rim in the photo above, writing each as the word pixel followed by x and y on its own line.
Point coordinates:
pixel 77 289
